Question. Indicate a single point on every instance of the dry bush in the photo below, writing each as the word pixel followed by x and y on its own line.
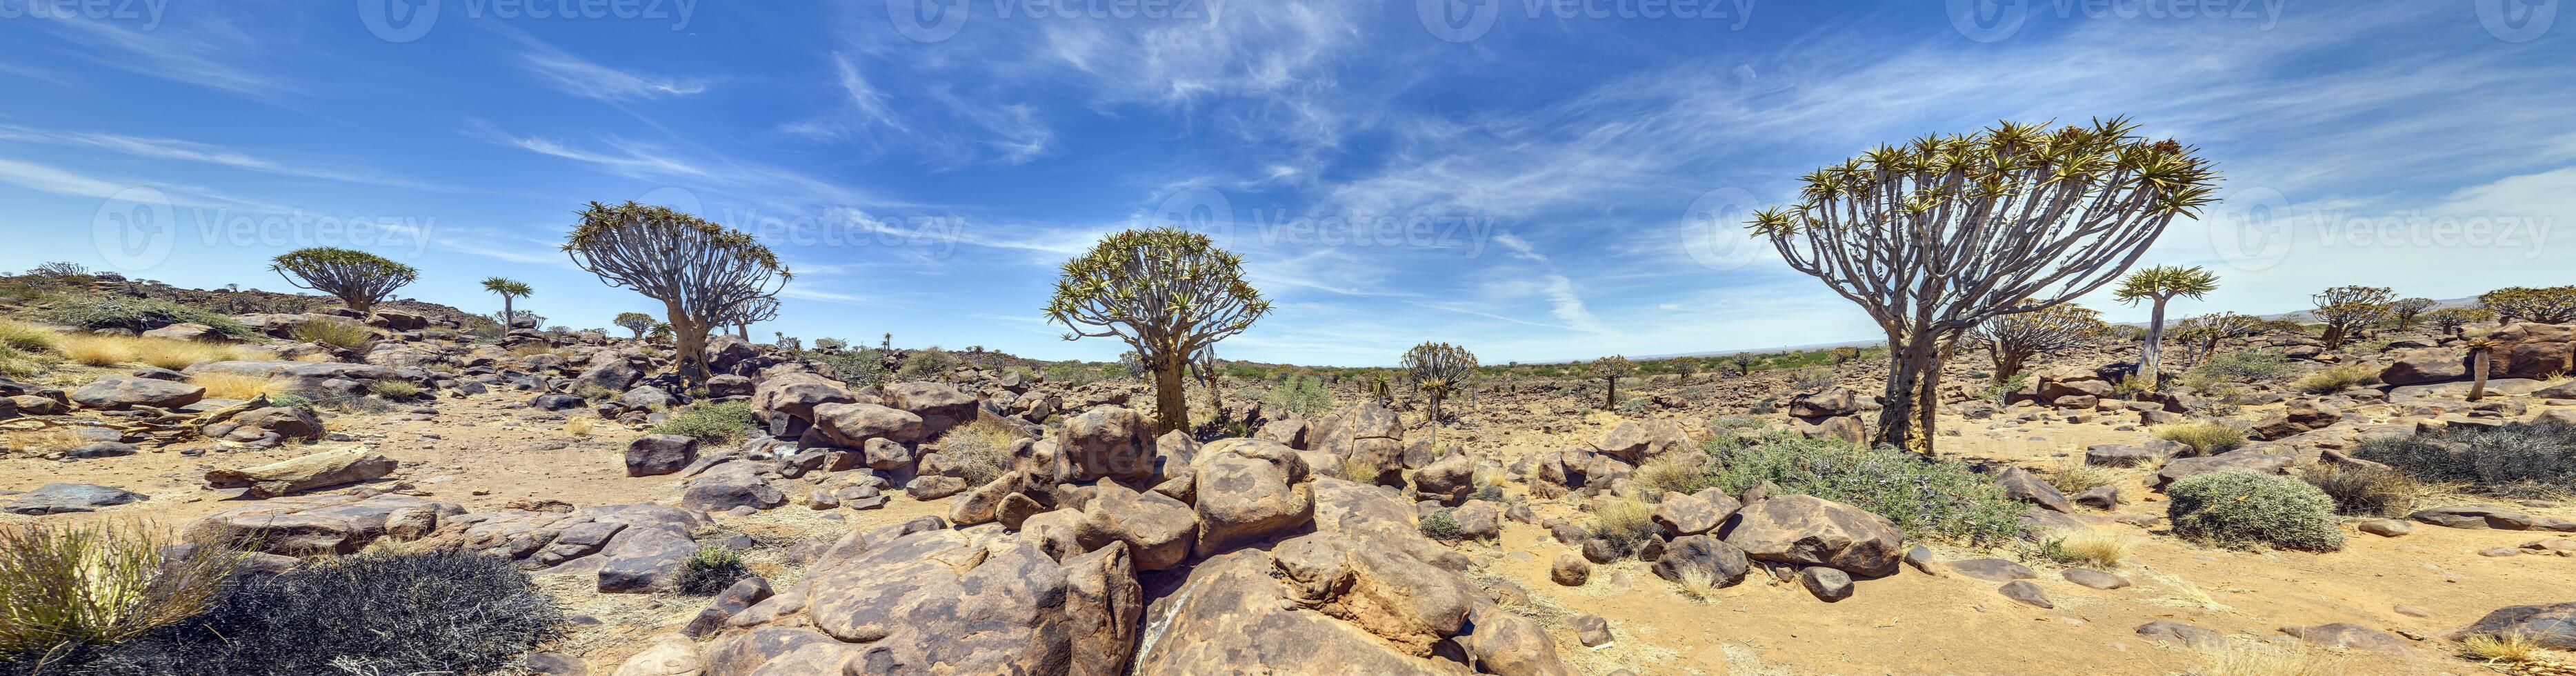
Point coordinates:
pixel 1625 522
pixel 2364 491
pixel 981 449
pixel 2088 549
pixel 579 427
pixel 24 337
pixel 235 385
pixel 2336 379
pixel 339 333
pixel 1360 468
pixel 64 587
pixel 2075 477
pixel 1698 585
pixel 2249 658
pixel 1675 472
pixel 2206 437
pixel 397 390
pixel 98 350
pixel 2509 647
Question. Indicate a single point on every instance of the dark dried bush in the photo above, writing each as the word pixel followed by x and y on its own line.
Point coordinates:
pixel 2517 459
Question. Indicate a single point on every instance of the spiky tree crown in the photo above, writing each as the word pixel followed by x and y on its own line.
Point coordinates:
pixel 1613 366
pixel 1164 291
pixel 507 287
pixel 1439 368
pixel 2164 282
pixel 2550 305
pixel 2451 318
pixel 1965 226
pixel 2352 305
pixel 358 278
pixel 699 268
pixel 634 321
pixel 2060 327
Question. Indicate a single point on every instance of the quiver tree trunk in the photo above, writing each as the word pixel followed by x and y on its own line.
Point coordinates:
pixel 2151 356
pixel 1171 404
pixel 1911 363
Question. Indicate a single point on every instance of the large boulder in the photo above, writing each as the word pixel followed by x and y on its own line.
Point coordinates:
pixel 609 374
pixel 117 393
pixel 795 395
pixel 2552 625
pixel 2297 417
pixel 326 524
pixel 940 405
pixel 1247 490
pixel 937 601
pixel 2534 351
pixel 730 485
pixel 1326 603
pixel 1112 442
pixel 2425 366
pixel 1634 441
pixel 318 470
pixel 852 425
pixel 1811 531
pixel 1826 403
pixel 659 454
pixel 2020 484
pixel 1157 529
pixel 1702 556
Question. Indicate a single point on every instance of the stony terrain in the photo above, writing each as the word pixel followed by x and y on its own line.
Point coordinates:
pixel 984 521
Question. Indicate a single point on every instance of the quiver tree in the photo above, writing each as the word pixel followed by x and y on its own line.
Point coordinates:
pixel 2200 336
pixel 359 279
pixel 2408 310
pixel 1684 367
pixel 750 312
pixel 1743 363
pixel 1610 369
pixel 508 289
pixel 1941 234
pixel 2011 340
pixel 2347 310
pixel 2160 284
pixel 634 321
pixel 2450 319
pixel 2552 305
pixel 1438 370
pixel 1203 368
pixel 699 270
pixel 1168 293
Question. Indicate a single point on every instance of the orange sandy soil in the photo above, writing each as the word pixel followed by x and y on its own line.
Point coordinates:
pixel 488 453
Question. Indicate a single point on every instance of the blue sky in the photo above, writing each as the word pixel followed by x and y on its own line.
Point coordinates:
pixel 1533 180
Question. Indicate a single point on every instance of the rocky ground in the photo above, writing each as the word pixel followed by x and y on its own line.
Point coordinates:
pixel 1062 536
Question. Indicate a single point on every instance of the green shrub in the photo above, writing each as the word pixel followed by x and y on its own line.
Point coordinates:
pixel 339 333
pixel 65 588
pixel 134 314
pixel 2536 459
pixel 2245 366
pixel 926 363
pixel 2245 509
pixel 436 612
pixel 1443 526
pixel 710 569
pixel 1303 396
pixel 1928 499
pixel 857 369
pixel 715 424
pixel 2363 491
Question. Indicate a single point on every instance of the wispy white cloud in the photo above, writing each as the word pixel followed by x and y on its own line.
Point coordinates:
pixel 583 77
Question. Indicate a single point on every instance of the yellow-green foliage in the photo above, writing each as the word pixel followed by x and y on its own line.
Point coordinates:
pixel 981 449
pixel 2206 437
pixel 64 585
pixel 2336 379
pixel 339 333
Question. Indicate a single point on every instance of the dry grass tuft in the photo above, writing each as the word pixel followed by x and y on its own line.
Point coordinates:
pixel 236 386
pixel 2247 658
pixel 96 350
pixel 99 583
pixel 1675 472
pixel 2208 437
pixel 2075 477
pixel 1698 585
pixel 2512 647
pixel 1360 468
pixel 579 426
pixel 982 449
pixel 2093 549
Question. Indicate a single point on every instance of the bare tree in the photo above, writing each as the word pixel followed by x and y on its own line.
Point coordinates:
pixel 1743 363
pixel 2200 336
pixel 1610 369
pixel 359 279
pixel 2347 310
pixel 2450 319
pixel 2160 284
pixel 2551 305
pixel 1168 293
pixel 750 312
pixel 699 270
pixel 2408 309
pixel 1439 370
pixel 2011 340
pixel 1946 232
pixel 634 321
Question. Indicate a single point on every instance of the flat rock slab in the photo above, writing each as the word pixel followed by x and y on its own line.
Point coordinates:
pixel 1992 570
pixel 319 470
pixel 68 498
